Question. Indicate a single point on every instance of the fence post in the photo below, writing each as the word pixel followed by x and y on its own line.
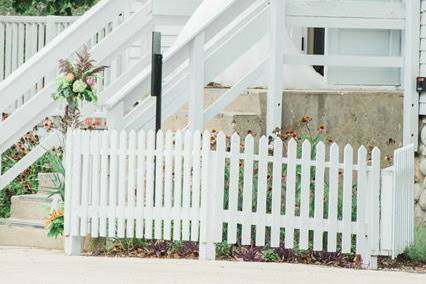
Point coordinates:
pixel 73 243
pixel 276 65
pixel 207 248
pixel 369 259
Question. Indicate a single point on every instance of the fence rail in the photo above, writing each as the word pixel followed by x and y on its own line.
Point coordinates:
pixel 195 187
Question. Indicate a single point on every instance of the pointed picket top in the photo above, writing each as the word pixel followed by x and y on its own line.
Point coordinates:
pixel 320 147
pixel 306 149
pixel 348 154
pixel 263 145
pixel 206 140
pixel 334 149
pixel 132 138
pixel 221 142
pixel 249 139
pixel 141 140
pixel 375 157
pixel 150 140
pixel 292 147
pixel 188 136
pixel 235 142
pixel 278 146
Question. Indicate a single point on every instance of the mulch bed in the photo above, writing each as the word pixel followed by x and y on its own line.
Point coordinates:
pixel 189 250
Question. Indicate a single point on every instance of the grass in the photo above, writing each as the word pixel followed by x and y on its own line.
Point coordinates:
pixel 417 251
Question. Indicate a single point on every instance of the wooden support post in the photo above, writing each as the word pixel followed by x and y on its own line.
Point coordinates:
pixel 73 246
pixel 196 83
pixel 276 64
pixel 411 71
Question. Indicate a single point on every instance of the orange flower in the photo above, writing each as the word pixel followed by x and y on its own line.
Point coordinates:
pixel 70 77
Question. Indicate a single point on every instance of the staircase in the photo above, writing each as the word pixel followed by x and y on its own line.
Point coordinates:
pixel 26 226
pixel 212 42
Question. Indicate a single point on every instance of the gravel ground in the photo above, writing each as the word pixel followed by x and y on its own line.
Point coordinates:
pixel 19 265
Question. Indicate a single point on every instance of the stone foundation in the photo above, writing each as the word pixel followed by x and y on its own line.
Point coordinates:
pixel 420 178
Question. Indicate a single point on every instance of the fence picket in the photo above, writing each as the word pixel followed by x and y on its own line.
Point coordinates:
pixel 361 246
pixel 276 193
pixel 122 177
pixel 220 182
pixel 177 193
pixel 290 193
pixel 140 187
pixel 248 190
pixel 319 197
pixel 85 184
pixel 113 185
pixel 261 191
pixel 304 195
pixel 68 159
pixel 196 186
pixel 374 198
pixel 149 201
pixel 234 176
pixel 347 199
pixel 186 186
pixel 94 210
pixel 168 180
pixel 131 186
pixel 104 186
pixel 159 175
pixel 76 184
pixel 333 198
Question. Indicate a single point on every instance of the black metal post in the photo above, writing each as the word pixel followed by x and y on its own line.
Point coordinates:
pixel 157 76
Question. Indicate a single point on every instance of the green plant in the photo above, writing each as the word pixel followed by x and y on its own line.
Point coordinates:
pixel 51 7
pixel 223 250
pixel 270 255
pixel 417 251
pixel 175 247
pixel 55 223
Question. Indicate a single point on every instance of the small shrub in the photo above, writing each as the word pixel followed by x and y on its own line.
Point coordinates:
pixel 270 255
pixel 417 251
pixel 223 250
pixel 175 247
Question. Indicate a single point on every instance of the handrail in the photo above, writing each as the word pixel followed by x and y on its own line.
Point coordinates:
pixel 61 47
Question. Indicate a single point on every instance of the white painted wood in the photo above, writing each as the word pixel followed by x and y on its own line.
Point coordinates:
pixel 104 184
pixel 150 181
pixel 220 184
pixel 305 195
pixel 234 175
pixel 141 186
pixel 76 185
pixel 196 85
pixel 168 183
pixel 186 185
pixel 94 209
pixel 248 190
pixel 131 186
pixel 68 163
pixel 159 185
pixel 113 185
pixel 122 184
pixel 290 201
pixel 261 191
pixel 347 199
pixel 196 185
pixel 177 193
pixel 276 193
pixel 362 197
pixel 85 184
pixel 276 73
pixel 333 198
pixel 319 197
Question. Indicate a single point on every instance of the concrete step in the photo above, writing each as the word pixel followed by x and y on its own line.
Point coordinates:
pixel 31 207
pixel 27 233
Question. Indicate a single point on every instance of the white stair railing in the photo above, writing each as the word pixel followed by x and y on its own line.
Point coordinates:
pixel 113 43
pixel 232 30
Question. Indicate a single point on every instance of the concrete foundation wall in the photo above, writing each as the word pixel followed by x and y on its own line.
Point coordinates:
pixel 370 118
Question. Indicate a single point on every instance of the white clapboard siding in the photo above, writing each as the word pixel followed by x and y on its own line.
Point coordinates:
pixel 175 186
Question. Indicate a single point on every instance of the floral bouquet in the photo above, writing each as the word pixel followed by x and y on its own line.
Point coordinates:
pixel 55 223
pixel 77 81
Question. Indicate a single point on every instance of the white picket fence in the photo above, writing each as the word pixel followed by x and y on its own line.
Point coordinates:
pixel 184 186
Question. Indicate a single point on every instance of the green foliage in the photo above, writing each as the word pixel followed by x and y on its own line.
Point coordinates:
pixel 55 224
pixel 175 246
pixel 270 255
pixel 223 250
pixel 417 251
pixel 51 7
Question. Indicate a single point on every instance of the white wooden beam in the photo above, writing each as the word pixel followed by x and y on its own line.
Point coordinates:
pixel 196 83
pixel 411 71
pixel 276 66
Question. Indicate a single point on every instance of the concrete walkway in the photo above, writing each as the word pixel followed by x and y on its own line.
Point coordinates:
pixel 32 266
